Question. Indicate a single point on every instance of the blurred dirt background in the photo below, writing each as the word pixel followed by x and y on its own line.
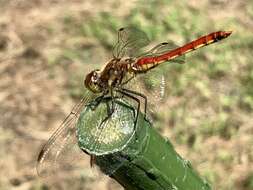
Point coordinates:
pixel 47 46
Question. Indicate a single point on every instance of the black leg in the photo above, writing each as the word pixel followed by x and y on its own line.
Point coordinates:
pixel 110 111
pixel 113 100
pixel 141 95
pixel 100 127
pixel 109 114
pixel 138 104
pixel 125 82
pixel 97 101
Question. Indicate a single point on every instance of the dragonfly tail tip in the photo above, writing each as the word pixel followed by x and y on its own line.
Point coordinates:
pixel 227 33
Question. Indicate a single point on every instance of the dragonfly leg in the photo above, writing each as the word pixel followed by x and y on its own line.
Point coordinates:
pixel 110 111
pixel 113 100
pixel 97 101
pixel 125 82
pixel 138 104
pixel 100 129
pixel 92 158
pixel 140 95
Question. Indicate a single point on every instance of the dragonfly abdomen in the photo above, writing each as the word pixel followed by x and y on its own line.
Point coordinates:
pixel 146 63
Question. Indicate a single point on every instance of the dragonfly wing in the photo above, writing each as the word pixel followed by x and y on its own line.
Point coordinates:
pixel 62 139
pixel 130 42
pixel 153 85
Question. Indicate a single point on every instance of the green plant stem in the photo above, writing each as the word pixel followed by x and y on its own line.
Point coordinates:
pixel 145 162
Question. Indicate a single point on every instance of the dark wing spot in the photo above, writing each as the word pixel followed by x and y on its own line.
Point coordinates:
pixel 41 154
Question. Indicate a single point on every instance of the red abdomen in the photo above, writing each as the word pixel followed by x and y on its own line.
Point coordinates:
pixel 146 63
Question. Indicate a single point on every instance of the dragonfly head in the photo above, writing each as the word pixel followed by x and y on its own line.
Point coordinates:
pixel 93 81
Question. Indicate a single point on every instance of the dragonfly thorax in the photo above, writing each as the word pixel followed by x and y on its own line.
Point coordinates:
pixel 109 76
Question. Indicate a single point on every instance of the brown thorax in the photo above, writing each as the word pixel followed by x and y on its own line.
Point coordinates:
pixel 110 76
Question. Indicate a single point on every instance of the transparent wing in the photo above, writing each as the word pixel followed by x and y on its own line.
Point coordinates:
pixel 61 140
pixel 153 83
pixel 130 42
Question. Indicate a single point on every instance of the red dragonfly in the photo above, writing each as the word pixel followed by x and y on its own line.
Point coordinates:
pixel 127 64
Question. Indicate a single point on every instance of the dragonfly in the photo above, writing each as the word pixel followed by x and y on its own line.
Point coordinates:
pixel 129 61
